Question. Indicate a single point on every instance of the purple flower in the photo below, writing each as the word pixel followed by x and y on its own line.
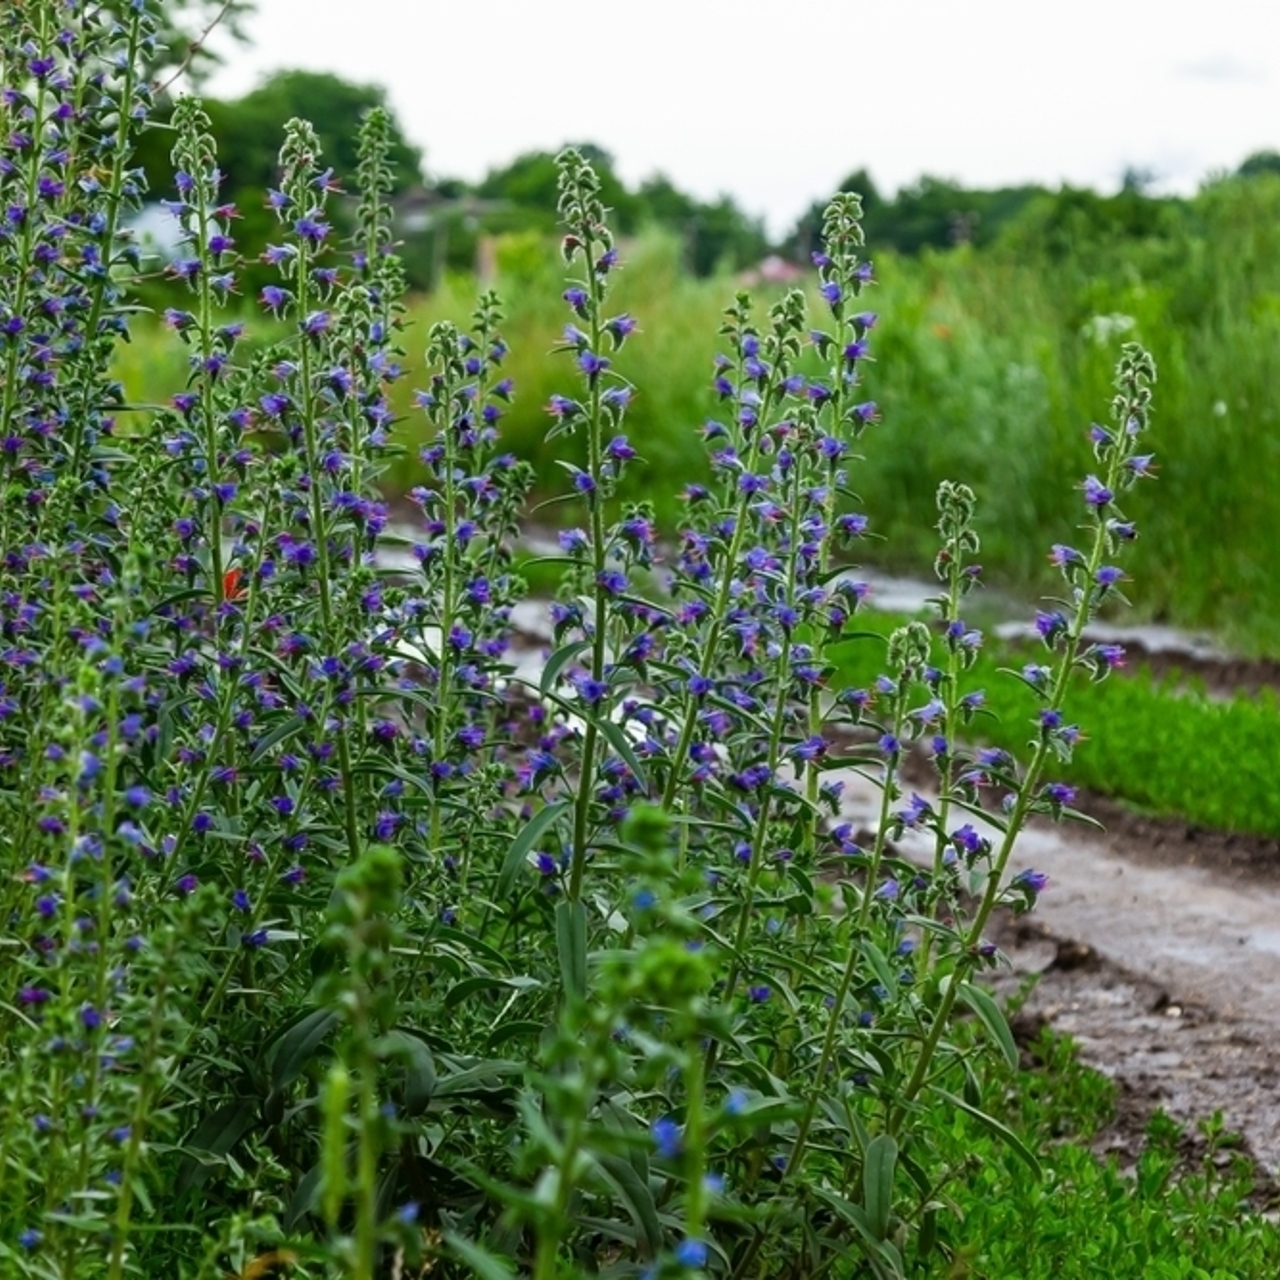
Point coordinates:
pixel 1096 494
pixel 311 229
pixel 563 408
pixel 759 994
pixel 1033 882
pixel 591 690
pixel 1050 626
pixel 1058 793
pixel 1108 575
pixel 916 809
pixel 1109 656
pixel 620 328
pixel 831 292
pixel 577 298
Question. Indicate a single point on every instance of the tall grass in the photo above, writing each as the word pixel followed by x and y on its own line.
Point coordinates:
pixel 991 364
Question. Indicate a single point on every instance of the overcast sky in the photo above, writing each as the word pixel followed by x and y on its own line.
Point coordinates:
pixel 774 101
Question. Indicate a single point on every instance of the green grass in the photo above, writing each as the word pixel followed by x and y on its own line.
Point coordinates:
pixel 1169 1219
pixel 988 368
pixel 1154 742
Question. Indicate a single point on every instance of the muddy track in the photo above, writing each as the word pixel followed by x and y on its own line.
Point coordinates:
pixel 1159 954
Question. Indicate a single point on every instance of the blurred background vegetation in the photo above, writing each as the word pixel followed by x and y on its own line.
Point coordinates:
pixel 1003 313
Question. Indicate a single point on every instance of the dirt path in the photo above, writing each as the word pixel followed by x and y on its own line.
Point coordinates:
pixel 1167 974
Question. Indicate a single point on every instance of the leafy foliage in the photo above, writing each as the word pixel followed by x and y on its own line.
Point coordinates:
pixel 337 942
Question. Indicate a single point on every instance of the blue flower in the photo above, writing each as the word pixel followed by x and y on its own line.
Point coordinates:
pixel 691 1253
pixel 667 1138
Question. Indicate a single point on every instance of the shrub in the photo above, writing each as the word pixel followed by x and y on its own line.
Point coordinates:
pixel 334 945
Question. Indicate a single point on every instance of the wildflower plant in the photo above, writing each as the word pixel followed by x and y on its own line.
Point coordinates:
pixel 339 941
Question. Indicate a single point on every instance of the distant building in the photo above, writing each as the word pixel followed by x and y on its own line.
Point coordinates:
pixel 773 270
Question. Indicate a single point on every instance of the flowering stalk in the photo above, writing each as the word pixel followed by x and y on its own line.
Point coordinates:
pixel 1092 581
pixel 582 212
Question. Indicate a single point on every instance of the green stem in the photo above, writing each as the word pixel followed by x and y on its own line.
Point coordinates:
pixel 320 532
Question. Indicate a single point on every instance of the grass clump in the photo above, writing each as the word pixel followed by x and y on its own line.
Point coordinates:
pixel 1168 1215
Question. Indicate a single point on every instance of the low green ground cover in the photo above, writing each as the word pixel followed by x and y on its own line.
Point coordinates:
pixel 1169 1218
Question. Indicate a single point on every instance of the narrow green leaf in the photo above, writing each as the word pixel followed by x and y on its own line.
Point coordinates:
pixel 994 1127
pixel 878 1169
pixel 989 1012
pixel 481 1261
pixel 557 663
pixel 277 735
pixel 524 842
pixel 619 741
pixel 636 1198
pixel 571 942
pixel 290 1052
pixel 879 965
pixel 419 1065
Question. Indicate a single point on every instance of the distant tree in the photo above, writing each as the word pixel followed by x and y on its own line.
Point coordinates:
pixel 530 182
pixel 1137 178
pixel 715 234
pixel 1064 223
pixel 929 213
pixel 664 203
pixel 1258 163
pixel 249 131
pixel 335 108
